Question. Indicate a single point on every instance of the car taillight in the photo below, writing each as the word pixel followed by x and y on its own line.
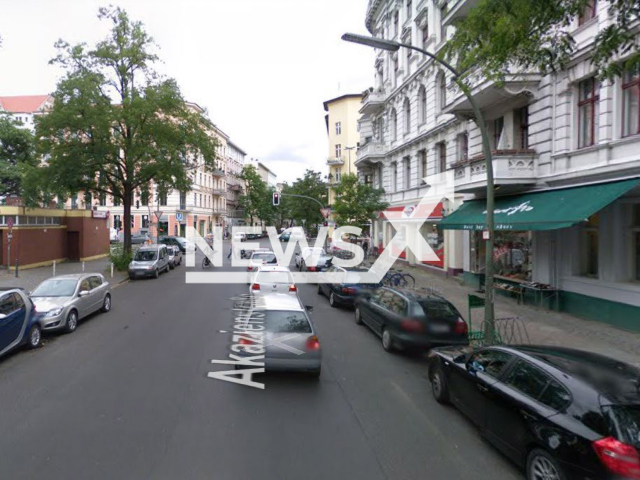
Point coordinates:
pixel 461 327
pixel 245 341
pixel 255 286
pixel 249 268
pixel 311 269
pixel 618 457
pixel 313 343
pixel 293 288
pixel 349 290
pixel 411 325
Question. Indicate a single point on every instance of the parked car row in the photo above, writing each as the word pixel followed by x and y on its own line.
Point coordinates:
pixel 57 304
pixel 152 260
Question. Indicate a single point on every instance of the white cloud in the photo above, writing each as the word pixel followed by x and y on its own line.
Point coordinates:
pixel 262 68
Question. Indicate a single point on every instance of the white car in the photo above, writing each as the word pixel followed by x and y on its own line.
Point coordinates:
pixel 312 258
pixel 239 237
pixel 273 279
pixel 259 258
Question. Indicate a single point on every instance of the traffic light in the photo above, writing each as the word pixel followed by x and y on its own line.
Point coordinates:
pixel 326 224
pixel 137 203
pixel 276 199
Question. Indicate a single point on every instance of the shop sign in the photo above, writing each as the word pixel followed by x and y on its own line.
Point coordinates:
pixel 100 214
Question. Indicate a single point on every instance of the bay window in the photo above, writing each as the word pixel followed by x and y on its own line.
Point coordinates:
pixel 631 103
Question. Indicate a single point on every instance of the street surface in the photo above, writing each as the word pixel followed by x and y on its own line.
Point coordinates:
pixel 127 396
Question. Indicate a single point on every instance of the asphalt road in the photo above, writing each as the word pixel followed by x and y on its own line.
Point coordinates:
pixel 127 396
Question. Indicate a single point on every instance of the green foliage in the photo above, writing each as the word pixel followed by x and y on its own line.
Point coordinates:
pixel 498 35
pixel 120 257
pixel 17 155
pixel 257 198
pixel 307 212
pixel 116 125
pixel 356 203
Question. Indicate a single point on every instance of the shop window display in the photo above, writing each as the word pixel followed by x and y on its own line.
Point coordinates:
pixel 512 255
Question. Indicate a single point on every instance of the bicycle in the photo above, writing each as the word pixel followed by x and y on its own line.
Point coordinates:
pixel 399 279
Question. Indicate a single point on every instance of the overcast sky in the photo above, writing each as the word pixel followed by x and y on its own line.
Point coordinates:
pixel 262 68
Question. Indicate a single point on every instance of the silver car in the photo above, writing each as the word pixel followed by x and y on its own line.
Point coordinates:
pixel 312 259
pixel 289 336
pixel 270 279
pixel 175 255
pixel 149 261
pixel 62 301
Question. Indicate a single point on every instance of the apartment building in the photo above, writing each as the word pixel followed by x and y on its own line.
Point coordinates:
pixel 566 160
pixel 235 185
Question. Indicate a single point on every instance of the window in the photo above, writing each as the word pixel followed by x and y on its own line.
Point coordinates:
pixel 422 154
pixel 87 200
pixel 195 201
pixel 394 125
pixel 442 90
pixel 338 150
pixel 394 176
pixel 555 396
pixel 85 286
pixel 396 23
pixel 409 9
pixel 116 201
pixel 144 198
pixel 163 198
pixel 116 222
pixel 407 116
pixel 588 99
pixel 201 204
pixel 425 35
pixel 591 246
pixel 443 27
pixel 527 379
pixel 338 174
pixel 394 302
pixel 589 12
pixel 7 304
pixel 463 147
pixel 338 128
pixel 422 104
pixel 490 362
pixel 95 282
pixel 441 152
pixel 406 166
pixel 74 200
pixel 145 221
pixel 408 52
pixel 133 221
pixel 103 199
pixel 200 178
pixel 631 103
pixel 497 127
pixel 522 128
pixel 395 68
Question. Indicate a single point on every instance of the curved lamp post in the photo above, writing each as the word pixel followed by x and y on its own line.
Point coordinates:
pixel 393 46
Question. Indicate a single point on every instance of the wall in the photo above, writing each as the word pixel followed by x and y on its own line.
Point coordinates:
pixel 94 235
pixel 34 245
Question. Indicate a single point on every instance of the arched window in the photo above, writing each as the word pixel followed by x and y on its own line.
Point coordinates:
pixel 422 104
pixel 441 85
pixel 407 116
pixel 393 119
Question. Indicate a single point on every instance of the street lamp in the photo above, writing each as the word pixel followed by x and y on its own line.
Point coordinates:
pixel 393 46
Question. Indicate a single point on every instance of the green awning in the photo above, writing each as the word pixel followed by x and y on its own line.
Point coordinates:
pixel 548 210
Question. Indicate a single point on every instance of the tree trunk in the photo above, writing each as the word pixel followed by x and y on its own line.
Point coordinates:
pixel 126 202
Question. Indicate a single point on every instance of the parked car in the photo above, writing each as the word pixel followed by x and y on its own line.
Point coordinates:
pixel 176 259
pixel 558 413
pixel 182 243
pixel 18 323
pixel 272 279
pixel 312 259
pixel 407 319
pixel 140 238
pixel 284 237
pixel 171 256
pixel 62 301
pixel 239 237
pixel 287 322
pixel 345 292
pixel 149 261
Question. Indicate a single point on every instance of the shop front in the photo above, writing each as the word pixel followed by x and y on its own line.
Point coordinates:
pixel 572 249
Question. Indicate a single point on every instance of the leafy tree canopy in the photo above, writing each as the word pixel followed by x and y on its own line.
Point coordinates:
pixel 356 203
pixel 116 125
pixel 305 211
pixel 498 35
pixel 257 200
pixel 17 155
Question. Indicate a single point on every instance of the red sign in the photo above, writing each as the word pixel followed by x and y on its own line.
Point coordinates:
pixel 100 214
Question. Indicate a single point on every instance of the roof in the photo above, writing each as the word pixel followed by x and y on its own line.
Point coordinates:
pixel 23 103
pixel 234 145
pixel 260 164
pixel 372 8
pixel 74 276
pixel 341 97
pixel 279 301
pixel 414 295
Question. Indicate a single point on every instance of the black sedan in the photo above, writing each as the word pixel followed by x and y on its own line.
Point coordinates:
pixel 559 413
pixel 411 320
pixel 344 293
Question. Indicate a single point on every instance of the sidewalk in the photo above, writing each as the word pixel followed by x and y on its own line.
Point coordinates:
pixel 543 327
pixel 30 278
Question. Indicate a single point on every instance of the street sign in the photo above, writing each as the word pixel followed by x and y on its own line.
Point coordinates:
pixel 10 222
pixel 325 212
pixel 179 216
pixel 158 214
pixel 100 214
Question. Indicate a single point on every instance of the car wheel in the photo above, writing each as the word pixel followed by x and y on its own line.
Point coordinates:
pixel 156 274
pixel 72 322
pixel 542 466
pixel 320 290
pixel 439 386
pixel 332 300
pixel 387 340
pixel 357 316
pixel 106 305
pixel 34 340
pixel 172 266
pixel 316 374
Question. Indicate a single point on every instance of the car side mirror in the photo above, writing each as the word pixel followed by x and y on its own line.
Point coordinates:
pixel 308 308
pixel 83 293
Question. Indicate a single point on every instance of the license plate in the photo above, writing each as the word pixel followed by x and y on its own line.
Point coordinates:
pixel 440 328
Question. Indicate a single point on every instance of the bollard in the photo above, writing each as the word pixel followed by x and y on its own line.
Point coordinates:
pixel 111 270
pixel 83 266
pixel 54 268
pixel 17 267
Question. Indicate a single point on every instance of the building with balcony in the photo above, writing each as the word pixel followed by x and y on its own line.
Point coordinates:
pixel 343 133
pixel 235 185
pixel 566 161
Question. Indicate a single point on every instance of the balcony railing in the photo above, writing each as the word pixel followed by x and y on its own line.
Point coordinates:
pixel 372 102
pixel 218 172
pixel 335 161
pixel 457 9
pixel 218 191
pixel 510 168
pixel 372 150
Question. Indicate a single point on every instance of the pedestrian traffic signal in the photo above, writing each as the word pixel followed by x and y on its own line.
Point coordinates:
pixel 276 199
pixel 326 224
pixel 137 203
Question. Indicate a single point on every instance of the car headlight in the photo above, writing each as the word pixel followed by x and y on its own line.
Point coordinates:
pixel 55 312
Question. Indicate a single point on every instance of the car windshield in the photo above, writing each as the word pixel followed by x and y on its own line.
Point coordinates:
pixel 264 257
pixel 145 255
pixel 274 277
pixel 626 419
pixel 437 310
pixel 283 321
pixel 56 288
pixel 313 251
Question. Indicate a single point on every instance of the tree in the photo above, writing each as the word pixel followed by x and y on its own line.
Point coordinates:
pixel 116 125
pixel 356 203
pixel 306 211
pixel 497 36
pixel 17 155
pixel 257 198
